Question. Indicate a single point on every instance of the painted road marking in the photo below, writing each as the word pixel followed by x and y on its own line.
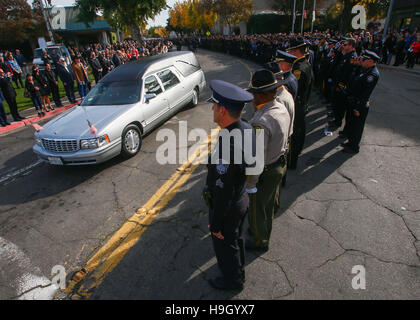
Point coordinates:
pixel 19 172
pixel 108 256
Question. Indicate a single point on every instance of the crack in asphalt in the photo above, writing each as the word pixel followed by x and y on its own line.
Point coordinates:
pixel 385 207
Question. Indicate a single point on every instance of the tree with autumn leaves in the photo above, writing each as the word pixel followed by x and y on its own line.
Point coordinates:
pixel 20 22
pixel 192 15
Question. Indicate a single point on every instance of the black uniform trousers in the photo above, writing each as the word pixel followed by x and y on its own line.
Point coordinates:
pixel 339 106
pixel 356 127
pixel 230 252
pixel 298 137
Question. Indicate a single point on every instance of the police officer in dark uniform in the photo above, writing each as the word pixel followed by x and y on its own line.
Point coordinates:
pixel 303 73
pixel 225 191
pixel 358 91
pixel 341 76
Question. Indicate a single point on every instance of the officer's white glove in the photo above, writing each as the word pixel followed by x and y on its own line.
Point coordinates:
pixel 253 190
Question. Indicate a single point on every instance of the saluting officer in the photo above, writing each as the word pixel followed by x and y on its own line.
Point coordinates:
pixel 225 191
pixel 303 73
pixel 271 119
pixel 359 91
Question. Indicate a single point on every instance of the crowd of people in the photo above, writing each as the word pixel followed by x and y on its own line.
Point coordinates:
pixel 342 67
pixel 41 84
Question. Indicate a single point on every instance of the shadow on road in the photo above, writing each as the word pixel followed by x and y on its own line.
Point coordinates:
pixel 174 257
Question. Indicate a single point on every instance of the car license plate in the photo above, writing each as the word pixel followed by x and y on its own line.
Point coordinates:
pixel 55 160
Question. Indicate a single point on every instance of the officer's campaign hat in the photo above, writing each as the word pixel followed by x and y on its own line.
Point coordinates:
pixel 367 54
pixel 284 56
pixel 296 43
pixel 276 70
pixel 263 80
pixel 229 95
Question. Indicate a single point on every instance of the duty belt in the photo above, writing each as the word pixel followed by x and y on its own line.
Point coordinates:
pixel 280 161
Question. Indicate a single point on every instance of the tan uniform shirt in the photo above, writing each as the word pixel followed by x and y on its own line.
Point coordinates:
pixel 274 119
pixel 285 97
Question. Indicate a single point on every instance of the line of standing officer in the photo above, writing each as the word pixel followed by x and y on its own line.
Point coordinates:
pixel 225 191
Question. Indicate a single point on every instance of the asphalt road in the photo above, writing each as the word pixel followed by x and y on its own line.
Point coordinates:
pixel 337 212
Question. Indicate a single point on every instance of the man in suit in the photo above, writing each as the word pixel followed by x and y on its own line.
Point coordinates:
pixel 3 116
pixel 9 94
pixel 53 84
pixel 67 77
pixel 96 66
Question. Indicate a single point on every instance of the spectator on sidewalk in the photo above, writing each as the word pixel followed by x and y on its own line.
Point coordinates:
pixel 34 89
pixel 67 77
pixel 20 58
pixel 9 94
pixel 16 70
pixel 5 66
pixel 96 66
pixel 3 115
pixel 53 84
pixel 413 52
pixel 44 89
pixel 81 75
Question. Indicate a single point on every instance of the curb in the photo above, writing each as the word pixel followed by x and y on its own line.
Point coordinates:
pixel 34 119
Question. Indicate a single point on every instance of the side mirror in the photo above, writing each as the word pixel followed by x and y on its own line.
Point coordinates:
pixel 149 96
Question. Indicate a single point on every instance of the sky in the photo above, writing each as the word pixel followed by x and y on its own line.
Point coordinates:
pixel 159 20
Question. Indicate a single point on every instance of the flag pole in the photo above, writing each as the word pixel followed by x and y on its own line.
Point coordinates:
pixel 303 17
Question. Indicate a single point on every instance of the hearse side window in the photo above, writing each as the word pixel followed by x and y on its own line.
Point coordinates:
pixel 168 79
pixel 151 85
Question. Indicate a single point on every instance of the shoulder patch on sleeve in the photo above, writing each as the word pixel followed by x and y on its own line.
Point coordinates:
pixel 257 127
pixel 222 168
pixel 297 74
pixel 370 79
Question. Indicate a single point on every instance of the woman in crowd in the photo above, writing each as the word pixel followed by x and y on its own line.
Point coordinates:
pixel 44 88
pixel 33 87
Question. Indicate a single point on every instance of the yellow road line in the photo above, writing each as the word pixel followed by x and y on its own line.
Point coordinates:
pixel 108 257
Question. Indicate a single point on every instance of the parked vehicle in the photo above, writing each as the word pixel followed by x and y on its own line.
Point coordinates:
pixel 62 51
pixel 126 104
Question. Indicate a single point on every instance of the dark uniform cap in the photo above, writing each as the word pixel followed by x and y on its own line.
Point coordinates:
pixel 229 95
pixel 284 56
pixel 296 43
pixel 367 54
pixel 273 67
pixel 262 81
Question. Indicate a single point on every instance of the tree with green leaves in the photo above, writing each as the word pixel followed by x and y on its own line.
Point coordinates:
pixel 127 15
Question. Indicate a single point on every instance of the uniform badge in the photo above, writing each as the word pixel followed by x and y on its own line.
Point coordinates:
pixel 221 168
pixel 297 74
pixel 370 78
pixel 219 183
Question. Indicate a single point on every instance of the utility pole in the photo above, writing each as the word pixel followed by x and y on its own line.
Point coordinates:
pixel 303 17
pixel 388 19
pixel 47 21
pixel 313 17
pixel 294 16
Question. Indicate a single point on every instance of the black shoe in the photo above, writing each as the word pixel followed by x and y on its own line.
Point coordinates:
pixel 21 118
pixel 3 124
pixel 350 150
pixel 7 123
pixel 249 245
pixel 344 145
pixel 221 284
